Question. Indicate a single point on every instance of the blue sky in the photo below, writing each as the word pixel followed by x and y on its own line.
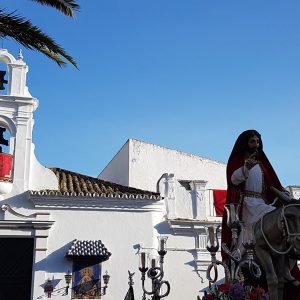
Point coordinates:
pixel 188 75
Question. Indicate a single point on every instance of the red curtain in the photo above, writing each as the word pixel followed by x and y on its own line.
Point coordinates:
pixel 5 166
pixel 219 201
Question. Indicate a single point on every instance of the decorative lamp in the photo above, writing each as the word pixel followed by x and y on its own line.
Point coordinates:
pixel 68 278
pixel 106 278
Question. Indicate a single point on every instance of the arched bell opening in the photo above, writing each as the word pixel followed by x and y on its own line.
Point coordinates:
pixel 3 78
pixel 4 140
pixel 6 151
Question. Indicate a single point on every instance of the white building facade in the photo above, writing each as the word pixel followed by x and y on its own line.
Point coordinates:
pixel 53 221
pixel 46 213
pixel 186 183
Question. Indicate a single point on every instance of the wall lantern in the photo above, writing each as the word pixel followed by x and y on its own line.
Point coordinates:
pixel 49 287
pixel 106 278
pixel 68 278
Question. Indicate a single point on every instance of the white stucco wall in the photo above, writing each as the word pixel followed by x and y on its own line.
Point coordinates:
pixel 40 177
pixel 148 162
pixel 155 168
pixel 117 169
pixel 119 231
pixel 180 268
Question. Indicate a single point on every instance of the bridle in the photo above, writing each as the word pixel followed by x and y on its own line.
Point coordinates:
pixel 285 228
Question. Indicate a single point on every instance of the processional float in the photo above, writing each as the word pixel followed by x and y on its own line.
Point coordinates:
pixel 242 241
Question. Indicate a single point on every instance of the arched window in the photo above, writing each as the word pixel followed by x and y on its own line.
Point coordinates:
pixel 3 78
pixel 6 159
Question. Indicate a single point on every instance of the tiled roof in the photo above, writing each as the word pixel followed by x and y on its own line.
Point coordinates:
pixel 88 249
pixel 75 184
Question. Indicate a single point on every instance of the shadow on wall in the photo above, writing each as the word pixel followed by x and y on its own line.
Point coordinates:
pixel 163 228
pixel 18 201
pixel 56 262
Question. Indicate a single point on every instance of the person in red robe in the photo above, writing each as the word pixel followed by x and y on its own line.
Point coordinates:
pixel 238 159
pixel 246 166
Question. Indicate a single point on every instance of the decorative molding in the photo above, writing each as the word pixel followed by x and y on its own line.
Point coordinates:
pixel 7 207
pixel 39 221
pixel 17 224
pixel 191 227
pixel 6 57
pixel 96 201
pixel 166 186
pixel 198 199
pixel 198 185
pixel 94 195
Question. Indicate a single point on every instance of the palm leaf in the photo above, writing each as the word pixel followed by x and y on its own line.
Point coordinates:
pixel 66 7
pixel 31 37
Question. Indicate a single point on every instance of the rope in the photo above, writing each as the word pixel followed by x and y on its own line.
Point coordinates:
pixel 272 248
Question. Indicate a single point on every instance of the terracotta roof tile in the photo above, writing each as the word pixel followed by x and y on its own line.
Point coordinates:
pixel 78 184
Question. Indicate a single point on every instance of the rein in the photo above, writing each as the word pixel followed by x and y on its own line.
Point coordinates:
pixel 286 227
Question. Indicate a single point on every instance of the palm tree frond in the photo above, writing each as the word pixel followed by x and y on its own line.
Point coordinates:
pixel 67 7
pixel 31 37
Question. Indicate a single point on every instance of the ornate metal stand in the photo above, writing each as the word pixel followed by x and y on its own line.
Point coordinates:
pixel 213 247
pixel 248 261
pixel 236 261
pixel 156 275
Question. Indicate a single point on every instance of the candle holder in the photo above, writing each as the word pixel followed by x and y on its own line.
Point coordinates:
pixel 155 273
pixel 236 262
pixel 213 247
pixel 248 262
pixel 234 224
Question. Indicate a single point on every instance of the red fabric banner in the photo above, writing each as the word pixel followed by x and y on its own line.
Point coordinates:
pixel 219 201
pixel 5 166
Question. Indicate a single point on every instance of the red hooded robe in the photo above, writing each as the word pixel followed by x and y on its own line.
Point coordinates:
pixel 237 160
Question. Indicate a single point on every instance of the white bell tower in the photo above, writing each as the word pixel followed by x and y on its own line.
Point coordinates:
pixel 19 169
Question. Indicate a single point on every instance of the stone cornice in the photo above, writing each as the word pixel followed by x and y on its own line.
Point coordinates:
pixel 18 98
pixel 33 224
pixel 100 202
pixel 191 227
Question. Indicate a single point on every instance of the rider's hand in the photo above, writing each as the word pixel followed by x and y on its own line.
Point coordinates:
pixel 287 193
pixel 251 161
